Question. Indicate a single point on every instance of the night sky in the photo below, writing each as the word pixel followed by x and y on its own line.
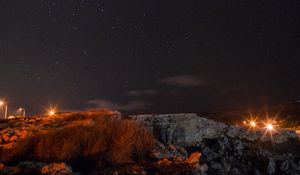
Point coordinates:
pixel 148 56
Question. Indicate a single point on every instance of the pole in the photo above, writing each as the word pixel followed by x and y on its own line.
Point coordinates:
pixel 24 112
pixel 5 114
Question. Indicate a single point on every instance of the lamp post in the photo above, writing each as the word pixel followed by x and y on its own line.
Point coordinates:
pixel 22 110
pixel 5 112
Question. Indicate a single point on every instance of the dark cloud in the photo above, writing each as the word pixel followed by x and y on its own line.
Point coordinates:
pixel 145 92
pixel 130 106
pixel 184 81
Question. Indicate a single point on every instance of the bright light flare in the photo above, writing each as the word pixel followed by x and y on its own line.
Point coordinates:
pixel 253 124
pixel 51 112
pixel 1 103
pixel 270 127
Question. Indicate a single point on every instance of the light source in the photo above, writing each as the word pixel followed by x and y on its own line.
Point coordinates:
pixel 2 103
pixel 22 110
pixel 253 124
pixel 51 112
pixel 270 127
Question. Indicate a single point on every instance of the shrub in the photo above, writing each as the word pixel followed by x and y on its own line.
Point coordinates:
pixel 99 139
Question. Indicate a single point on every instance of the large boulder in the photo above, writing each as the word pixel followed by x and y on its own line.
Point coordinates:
pixel 192 129
pixel 181 129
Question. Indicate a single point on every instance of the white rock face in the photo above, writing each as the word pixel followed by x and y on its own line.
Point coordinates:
pixel 181 129
pixel 191 129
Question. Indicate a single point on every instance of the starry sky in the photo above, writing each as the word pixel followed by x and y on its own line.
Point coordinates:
pixel 148 56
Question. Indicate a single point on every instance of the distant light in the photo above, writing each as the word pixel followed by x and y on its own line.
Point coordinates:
pixel 1 103
pixel 270 127
pixel 244 122
pixel 253 124
pixel 51 112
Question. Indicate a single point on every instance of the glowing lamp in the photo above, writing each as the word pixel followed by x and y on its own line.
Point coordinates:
pixel 253 124
pixel 51 112
pixel 270 127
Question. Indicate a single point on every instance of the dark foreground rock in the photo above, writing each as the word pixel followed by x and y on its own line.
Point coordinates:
pixel 192 129
pixel 228 149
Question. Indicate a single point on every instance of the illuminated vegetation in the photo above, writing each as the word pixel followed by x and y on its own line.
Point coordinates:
pixel 97 138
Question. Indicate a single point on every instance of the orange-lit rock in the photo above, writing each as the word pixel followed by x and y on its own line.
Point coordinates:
pixel 8 145
pixel 135 169
pixel 13 138
pixel 5 137
pixel 57 169
pixel 22 134
pixel 194 158
pixel 164 162
pixel 2 166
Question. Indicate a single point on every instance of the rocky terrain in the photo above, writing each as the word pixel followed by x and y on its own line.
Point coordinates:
pixel 227 149
pixel 182 144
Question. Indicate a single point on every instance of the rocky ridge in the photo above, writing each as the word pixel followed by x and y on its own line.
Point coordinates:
pixel 192 129
pixel 186 144
pixel 228 149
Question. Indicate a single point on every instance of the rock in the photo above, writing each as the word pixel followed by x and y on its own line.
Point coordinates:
pixel 181 129
pixel 209 155
pixel 56 169
pixel 192 129
pixel 285 166
pixel 22 133
pixel 271 166
pixel 135 169
pixel 170 152
pixel 239 147
pixel 2 166
pixel 203 168
pixel 164 162
pixel 156 154
pixel 194 158
pixel 8 146
pixel 282 135
pixel 182 152
pixel 31 165
pixel 5 137
pixel 244 133
pixel 13 138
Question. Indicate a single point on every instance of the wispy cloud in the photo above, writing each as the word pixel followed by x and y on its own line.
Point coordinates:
pixel 184 81
pixel 139 93
pixel 130 106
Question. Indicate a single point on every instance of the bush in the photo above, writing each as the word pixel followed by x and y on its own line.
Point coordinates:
pixel 99 140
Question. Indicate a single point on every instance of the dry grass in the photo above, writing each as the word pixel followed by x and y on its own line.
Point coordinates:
pixel 98 138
